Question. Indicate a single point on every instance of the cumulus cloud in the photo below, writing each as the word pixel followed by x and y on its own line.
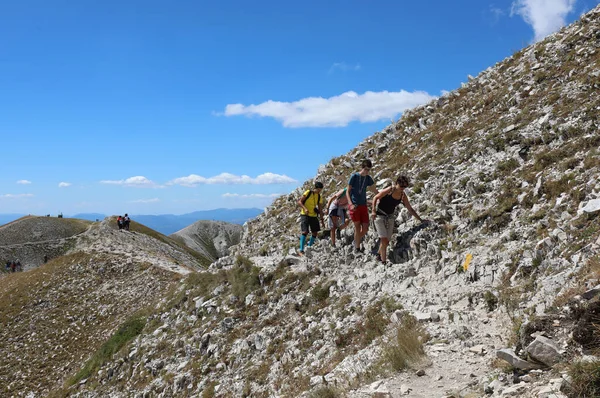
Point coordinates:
pixel 544 16
pixel 23 182
pixel 64 184
pixel 137 181
pixel 16 196
pixel 344 67
pixel 336 111
pixel 252 195
pixel 153 200
pixel 228 179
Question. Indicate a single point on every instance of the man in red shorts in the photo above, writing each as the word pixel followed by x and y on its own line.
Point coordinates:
pixel 357 199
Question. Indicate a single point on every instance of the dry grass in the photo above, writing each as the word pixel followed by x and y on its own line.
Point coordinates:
pixel 585 379
pixel 55 316
pixel 405 349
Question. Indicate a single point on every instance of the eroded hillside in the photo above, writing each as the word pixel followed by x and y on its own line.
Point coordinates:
pixel 507 168
pixel 53 317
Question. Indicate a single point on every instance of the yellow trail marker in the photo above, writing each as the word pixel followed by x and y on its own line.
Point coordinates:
pixel 467 261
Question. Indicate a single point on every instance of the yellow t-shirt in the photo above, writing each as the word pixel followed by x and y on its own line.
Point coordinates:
pixel 311 203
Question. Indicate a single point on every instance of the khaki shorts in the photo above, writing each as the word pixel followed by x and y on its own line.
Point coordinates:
pixel 384 226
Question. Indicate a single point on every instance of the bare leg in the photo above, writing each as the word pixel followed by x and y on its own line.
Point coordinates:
pixel 364 230
pixel 383 249
pixel 357 234
pixel 334 221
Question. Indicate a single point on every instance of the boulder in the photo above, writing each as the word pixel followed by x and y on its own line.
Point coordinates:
pixel 544 350
pixel 509 356
pixel 592 206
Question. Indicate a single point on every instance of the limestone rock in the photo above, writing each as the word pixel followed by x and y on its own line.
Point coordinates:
pixel 509 356
pixel 544 350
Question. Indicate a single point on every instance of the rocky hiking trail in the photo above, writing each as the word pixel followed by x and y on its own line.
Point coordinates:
pixel 135 247
pixel 464 335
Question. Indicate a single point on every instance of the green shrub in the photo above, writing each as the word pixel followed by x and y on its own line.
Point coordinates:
pixel 130 329
pixel 321 292
pixel 242 260
pixel 490 300
pixel 325 392
pixel 243 279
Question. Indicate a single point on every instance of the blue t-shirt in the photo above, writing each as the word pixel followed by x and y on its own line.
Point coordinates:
pixel 359 185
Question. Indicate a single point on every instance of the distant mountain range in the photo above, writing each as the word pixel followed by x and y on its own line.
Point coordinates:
pixel 167 223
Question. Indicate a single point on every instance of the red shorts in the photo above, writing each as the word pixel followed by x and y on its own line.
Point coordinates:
pixel 360 214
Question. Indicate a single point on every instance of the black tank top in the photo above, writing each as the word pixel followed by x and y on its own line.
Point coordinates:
pixel 387 204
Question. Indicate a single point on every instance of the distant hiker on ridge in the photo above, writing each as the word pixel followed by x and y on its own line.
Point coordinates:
pixel 384 206
pixel 356 194
pixel 338 219
pixel 120 222
pixel 311 204
pixel 126 221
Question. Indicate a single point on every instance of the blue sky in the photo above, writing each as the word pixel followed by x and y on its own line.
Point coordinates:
pixel 170 107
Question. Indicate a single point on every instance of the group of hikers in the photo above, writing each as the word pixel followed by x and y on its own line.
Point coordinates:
pixel 123 222
pixel 13 266
pixel 350 204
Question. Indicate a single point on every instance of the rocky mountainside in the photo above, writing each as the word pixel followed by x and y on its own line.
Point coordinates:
pixel 498 296
pixel 211 238
pixel 55 316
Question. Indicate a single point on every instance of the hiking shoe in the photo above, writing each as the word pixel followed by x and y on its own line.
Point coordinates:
pixel 378 257
pixel 300 252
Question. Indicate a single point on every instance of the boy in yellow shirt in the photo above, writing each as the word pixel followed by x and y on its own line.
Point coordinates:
pixel 311 204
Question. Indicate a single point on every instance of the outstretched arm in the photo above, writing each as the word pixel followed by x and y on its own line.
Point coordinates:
pixel 373 189
pixel 412 211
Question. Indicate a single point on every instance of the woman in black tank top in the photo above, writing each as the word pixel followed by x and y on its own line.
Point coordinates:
pixel 384 206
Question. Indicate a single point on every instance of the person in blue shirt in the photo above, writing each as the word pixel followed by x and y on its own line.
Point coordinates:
pixel 357 198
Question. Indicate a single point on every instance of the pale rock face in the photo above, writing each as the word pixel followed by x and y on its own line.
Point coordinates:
pixel 544 350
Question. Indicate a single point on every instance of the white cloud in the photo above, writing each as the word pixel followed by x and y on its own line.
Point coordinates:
pixel 64 184
pixel 23 182
pixel 252 195
pixel 544 16
pixel 496 13
pixel 228 179
pixel 344 67
pixel 137 181
pixel 153 200
pixel 16 196
pixel 335 111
